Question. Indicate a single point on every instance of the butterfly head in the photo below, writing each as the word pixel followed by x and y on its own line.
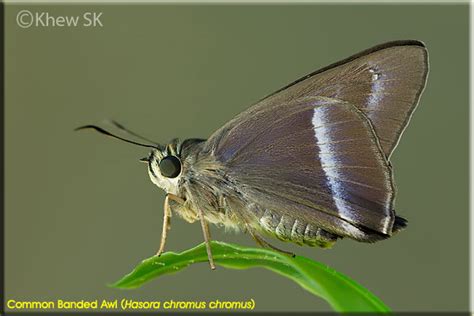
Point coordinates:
pixel 165 167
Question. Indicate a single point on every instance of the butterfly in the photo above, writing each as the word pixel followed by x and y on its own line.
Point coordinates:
pixel 308 164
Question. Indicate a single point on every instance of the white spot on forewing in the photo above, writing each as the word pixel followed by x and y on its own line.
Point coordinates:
pixel 375 76
pixel 376 90
pixel 323 138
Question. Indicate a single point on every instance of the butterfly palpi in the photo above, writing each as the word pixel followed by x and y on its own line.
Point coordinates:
pixel 309 163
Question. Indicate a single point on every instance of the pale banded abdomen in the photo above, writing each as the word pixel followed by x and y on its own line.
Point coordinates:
pixel 294 230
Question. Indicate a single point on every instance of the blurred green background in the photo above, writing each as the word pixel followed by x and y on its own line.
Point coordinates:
pixel 81 211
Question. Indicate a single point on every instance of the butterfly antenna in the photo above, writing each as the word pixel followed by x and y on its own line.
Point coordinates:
pixel 103 131
pixel 126 130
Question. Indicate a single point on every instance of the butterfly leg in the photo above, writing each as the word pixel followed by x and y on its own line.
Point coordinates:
pixel 207 239
pixel 167 219
pixel 265 244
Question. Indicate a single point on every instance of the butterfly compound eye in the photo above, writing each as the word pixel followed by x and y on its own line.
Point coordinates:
pixel 170 166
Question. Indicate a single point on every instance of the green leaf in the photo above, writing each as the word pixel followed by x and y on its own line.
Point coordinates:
pixel 342 293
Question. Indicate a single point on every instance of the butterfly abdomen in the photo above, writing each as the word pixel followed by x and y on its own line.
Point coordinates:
pixel 290 229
